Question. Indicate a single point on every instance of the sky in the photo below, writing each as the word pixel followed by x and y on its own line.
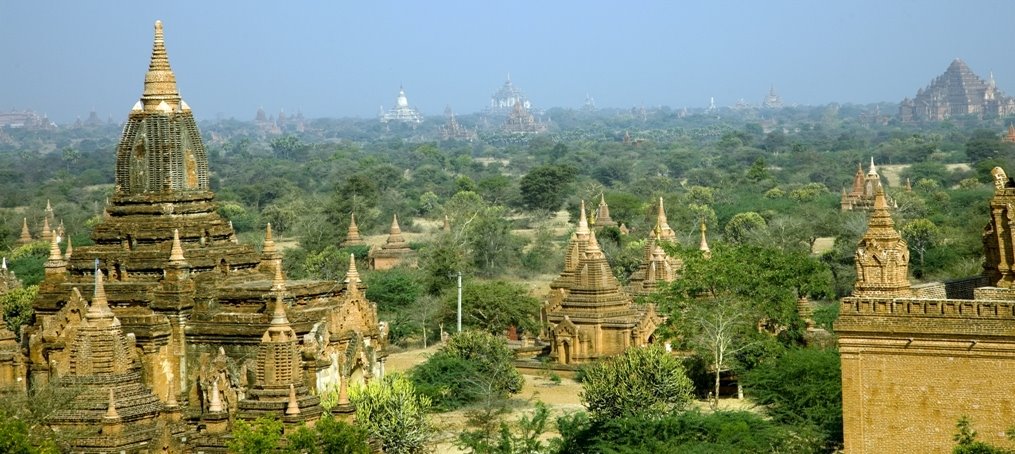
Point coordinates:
pixel 348 58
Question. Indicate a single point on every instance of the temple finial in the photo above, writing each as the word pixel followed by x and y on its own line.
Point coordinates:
pixel 352 275
pixel 269 242
pixel 111 412
pixel 176 253
pixel 703 247
pixel 294 406
pixel 160 91
pixel 54 249
pixel 395 229
pixel 70 249
pixel 583 221
pixel 100 306
pixel 278 317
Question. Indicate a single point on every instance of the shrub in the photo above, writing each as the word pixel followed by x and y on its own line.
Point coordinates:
pixel 641 381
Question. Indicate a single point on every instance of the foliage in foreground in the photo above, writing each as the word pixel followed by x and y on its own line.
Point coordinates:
pixel 472 365
pixel 393 414
pixel 685 432
pixel 803 388
pixel 641 381
pixel 966 442
pixel 499 438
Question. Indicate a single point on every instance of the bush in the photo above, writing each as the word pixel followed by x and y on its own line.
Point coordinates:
pixel 393 413
pixel 473 365
pixel 685 432
pixel 641 381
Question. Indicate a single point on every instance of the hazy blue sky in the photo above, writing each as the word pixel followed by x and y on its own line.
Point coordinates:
pixel 348 58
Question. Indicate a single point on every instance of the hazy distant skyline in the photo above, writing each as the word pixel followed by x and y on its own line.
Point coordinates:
pixel 337 59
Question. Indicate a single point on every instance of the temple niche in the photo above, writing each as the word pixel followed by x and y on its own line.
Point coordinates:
pixel 204 328
pixel 588 315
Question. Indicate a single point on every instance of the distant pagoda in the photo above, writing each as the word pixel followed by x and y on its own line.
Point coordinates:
pixel 402 112
pixel 957 92
pixel 505 98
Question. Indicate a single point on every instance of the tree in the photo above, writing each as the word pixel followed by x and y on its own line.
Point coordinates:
pixel 802 387
pixel 339 437
pixel 966 442
pixel 545 187
pixel 921 235
pixel 471 366
pixel 288 147
pixel 257 437
pixel 641 381
pixel 393 414
pixel 741 225
pixel 17 306
pixel 982 144
pixel 493 306
pixel 718 331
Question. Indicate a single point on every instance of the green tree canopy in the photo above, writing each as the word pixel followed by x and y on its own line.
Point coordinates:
pixel 641 381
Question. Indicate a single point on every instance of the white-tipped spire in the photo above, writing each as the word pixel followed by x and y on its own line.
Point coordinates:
pixel 176 252
pixel 100 305
pixel 111 412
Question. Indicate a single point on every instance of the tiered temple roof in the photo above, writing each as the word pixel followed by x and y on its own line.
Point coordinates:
pixel 882 257
pixel 861 195
pixel 194 300
pixel 588 313
pixel 957 92
pixel 603 218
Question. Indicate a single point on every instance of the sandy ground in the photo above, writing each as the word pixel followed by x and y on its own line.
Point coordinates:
pixel 561 398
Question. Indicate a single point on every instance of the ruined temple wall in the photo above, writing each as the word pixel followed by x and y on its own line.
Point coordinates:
pixel 912 367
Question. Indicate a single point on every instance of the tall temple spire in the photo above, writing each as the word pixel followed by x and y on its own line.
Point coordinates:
pixel 352 279
pixel 603 218
pixel 873 170
pixel 352 236
pixel 663 225
pixel 111 412
pixel 70 249
pixel 268 249
pixel 293 408
pixel 159 81
pixel 46 231
pixel 215 400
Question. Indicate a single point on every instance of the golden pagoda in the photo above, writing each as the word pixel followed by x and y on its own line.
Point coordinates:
pixel 656 266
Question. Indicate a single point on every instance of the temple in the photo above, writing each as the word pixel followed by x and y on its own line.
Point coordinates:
pixel 656 267
pixel 772 99
pixel 402 112
pixel 957 92
pixel 588 315
pixel 521 121
pixel 505 98
pixel 394 252
pixel 453 130
pixel 603 218
pixel 861 194
pixel 187 326
pixel 916 358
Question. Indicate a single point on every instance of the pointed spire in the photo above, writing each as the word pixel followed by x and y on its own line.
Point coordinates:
pixel 111 412
pixel 873 170
pixel 278 281
pixel 352 236
pixel 176 253
pixel 593 251
pixel 46 231
pixel 4 265
pixel 268 249
pixel 395 230
pixel 54 250
pixel 49 207
pixel 703 247
pixel 26 235
pixel 278 317
pixel 159 81
pixel 100 306
pixel 215 400
pixel 294 406
pixel 663 225
pixel 447 224
pixel 70 249
pixel 583 221
pixel 352 275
